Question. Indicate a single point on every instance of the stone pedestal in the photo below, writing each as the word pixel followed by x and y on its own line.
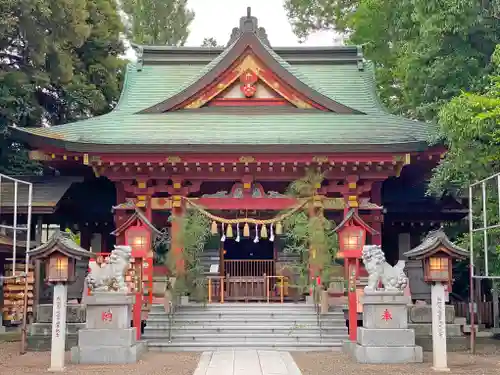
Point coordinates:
pixel 108 337
pixel 39 333
pixel 420 319
pixel 385 336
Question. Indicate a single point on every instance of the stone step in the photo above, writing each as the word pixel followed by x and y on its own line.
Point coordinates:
pixel 263 345
pixel 241 320
pixel 233 315
pixel 247 308
pixel 236 338
pixel 243 330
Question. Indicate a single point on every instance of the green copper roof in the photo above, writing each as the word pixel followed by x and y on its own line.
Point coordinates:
pixel 236 128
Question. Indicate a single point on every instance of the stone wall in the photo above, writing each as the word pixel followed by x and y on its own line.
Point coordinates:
pixel 420 319
pixel 40 332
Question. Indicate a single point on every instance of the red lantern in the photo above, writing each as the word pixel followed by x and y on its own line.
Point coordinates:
pixel 139 239
pixel 352 239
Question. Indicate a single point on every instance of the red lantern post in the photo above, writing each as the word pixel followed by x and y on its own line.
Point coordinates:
pixel 352 238
pixel 138 237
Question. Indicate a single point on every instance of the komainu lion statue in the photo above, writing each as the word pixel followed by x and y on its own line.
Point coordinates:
pixel 110 276
pixel 393 278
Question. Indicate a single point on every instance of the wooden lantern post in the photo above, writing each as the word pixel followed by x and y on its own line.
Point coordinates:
pixel 437 253
pixel 138 237
pixel 352 237
pixel 59 254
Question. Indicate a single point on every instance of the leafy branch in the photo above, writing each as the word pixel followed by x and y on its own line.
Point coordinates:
pixel 309 234
pixel 193 233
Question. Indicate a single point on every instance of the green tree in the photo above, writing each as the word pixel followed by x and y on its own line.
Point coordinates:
pixel 308 16
pixel 425 51
pixel 469 126
pixel 159 21
pixel 210 42
pixel 49 78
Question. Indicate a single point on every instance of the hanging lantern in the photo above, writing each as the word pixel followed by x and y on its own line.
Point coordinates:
pixel 229 232
pixel 263 232
pixel 214 229
pixel 279 228
pixel 139 239
pixel 271 237
pixel 246 230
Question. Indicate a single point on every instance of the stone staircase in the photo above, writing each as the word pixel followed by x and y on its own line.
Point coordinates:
pixel 209 257
pixel 290 327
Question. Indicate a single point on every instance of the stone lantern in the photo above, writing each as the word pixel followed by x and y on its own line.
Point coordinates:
pixel 59 254
pixel 437 253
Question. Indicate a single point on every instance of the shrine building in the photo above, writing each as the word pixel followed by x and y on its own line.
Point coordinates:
pixel 227 130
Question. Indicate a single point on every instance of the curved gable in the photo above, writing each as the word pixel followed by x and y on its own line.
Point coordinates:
pixel 249 55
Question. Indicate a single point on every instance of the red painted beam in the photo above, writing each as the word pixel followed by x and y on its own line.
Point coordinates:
pixel 224 176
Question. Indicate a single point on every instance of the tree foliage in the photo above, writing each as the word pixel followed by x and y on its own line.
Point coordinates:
pixel 469 125
pixel 159 21
pixel 425 51
pixel 309 234
pixel 59 62
pixel 210 42
pixel 193 234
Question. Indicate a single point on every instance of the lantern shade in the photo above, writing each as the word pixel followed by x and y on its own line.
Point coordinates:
pixel 438 268
pixel 352 235
pixel 60 268
pixel 139 239
pixel 352 238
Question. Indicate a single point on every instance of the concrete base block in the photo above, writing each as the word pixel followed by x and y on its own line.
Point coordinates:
pixel 452 330
pixel 107 337
pixel 453 344
pixel 107 354
pixel 43 343
pixel 385 355
pixel 386 337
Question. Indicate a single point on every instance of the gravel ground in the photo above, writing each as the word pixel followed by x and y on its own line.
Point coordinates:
pixel 486 362
pixel 154 363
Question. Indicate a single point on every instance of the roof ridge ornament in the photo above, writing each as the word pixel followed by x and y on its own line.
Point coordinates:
pixel 249 24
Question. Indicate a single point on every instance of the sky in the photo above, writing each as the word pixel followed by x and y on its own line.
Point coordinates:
pixel 216 18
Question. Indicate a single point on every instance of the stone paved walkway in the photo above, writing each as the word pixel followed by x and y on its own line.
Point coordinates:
pixel 247 362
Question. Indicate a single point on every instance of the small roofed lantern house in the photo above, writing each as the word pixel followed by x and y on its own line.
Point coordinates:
pixel 59 255
pixel 227 130
pixel 437 253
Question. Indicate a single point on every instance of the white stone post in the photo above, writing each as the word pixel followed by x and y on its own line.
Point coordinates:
pixel 439 352
pixel 57 351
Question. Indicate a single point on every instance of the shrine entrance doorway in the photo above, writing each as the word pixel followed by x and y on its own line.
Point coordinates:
pixel 248 268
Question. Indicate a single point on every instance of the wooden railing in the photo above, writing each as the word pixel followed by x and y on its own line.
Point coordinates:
pixel 264 288
pixel 248 268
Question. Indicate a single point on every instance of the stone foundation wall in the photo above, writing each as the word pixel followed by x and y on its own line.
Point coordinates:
pixel 420 320
pixel 40 332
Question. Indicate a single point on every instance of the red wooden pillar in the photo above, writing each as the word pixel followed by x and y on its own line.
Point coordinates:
pixel 176 235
